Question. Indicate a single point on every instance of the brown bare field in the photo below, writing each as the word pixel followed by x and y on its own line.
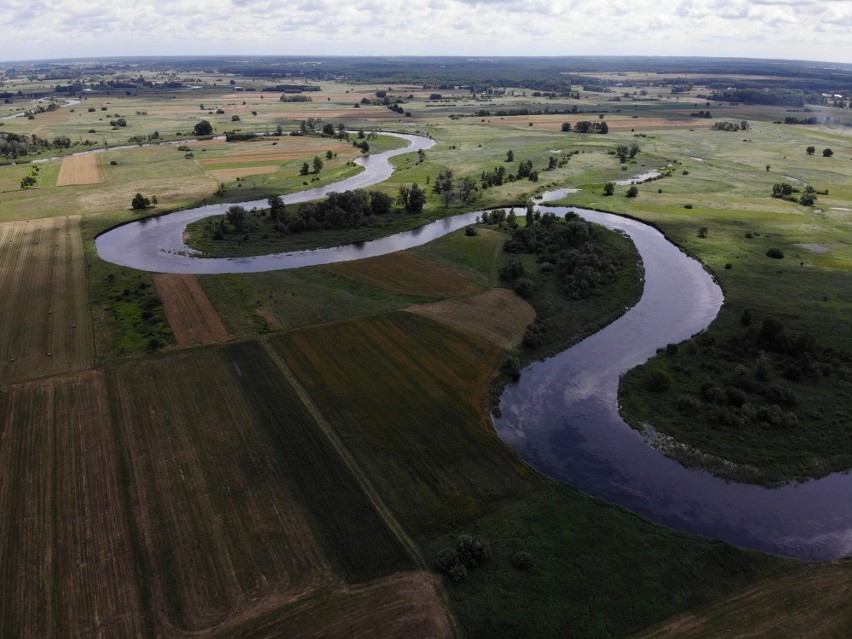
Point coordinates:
pixel 45 326
pixel 66 564
pixel 79 169
pixel 812 602
pixel 405 606
pixel 229 174
pixel 498 315
pixel 223 536
pixel 404 273
pixel 190 314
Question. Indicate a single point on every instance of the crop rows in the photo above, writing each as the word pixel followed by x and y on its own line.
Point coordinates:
pixel 66 563
pixel 45 327
pixel 403 392
pixel 220 528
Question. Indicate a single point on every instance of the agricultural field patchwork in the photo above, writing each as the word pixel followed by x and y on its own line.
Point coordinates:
pixel 404 394
pixel 219 525
pixel 45 314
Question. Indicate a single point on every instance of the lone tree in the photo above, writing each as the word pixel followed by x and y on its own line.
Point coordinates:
pixel 203 128
pixel 510 156
pixel 810 150
pixel 140 202
pixel 827 153
pixel 305 169
pixel 317 164
pixel 609 188
pixel 632 191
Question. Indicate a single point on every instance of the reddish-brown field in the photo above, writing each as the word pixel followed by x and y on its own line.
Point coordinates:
pixel 66 558
pixel 223 537
pixel 402 606
pixel 404 273
pixel 45 325
pixel 498 315
pixel 79 169
pixel 192 318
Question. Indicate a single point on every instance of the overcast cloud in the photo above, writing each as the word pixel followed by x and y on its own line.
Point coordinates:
pixel 791 29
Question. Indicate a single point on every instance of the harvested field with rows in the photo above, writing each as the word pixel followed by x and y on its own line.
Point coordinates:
pixel 220 526
pixel 79 169
pixel 191 316
pixel 45 325
pixel 401 606
pixel 66 556
pixel 241 504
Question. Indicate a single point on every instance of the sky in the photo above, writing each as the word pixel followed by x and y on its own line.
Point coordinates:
pixel 786 29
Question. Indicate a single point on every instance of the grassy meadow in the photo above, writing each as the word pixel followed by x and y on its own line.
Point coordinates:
pixel 296 469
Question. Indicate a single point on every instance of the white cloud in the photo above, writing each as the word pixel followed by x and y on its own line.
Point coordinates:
pixel 755 28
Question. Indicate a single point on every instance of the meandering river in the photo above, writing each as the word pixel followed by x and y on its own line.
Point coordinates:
pixel 562 415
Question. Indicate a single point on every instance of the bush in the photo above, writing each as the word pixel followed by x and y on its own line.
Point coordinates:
pixel 659 380
pixel 470 231
pixel 775 254
pixel 512 367
pixel 632 191
pixel 446 559
pixel 521 560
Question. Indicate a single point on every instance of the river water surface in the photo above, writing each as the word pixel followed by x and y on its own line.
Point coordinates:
pixel 562 415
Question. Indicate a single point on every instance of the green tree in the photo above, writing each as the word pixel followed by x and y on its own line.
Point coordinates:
pixel 810 150
pixel 827 153
pixel 510 156
pixel 416 199
pixel 203 128
pixel 609 188
pixel 444 185
pixel 140 202
pixel 306 168
pixel 236 216
pixel 632 191
pixel 317 163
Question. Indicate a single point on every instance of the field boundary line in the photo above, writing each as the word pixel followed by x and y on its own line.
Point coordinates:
pixel 326 428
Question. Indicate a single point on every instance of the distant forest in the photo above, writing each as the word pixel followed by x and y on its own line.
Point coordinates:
pixel 552 74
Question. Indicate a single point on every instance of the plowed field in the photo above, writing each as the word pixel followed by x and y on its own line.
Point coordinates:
pixel 405 273
pixel 66 565
pixel 45 326
pixel 497 315
pixel 79 169
pixel 191 316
